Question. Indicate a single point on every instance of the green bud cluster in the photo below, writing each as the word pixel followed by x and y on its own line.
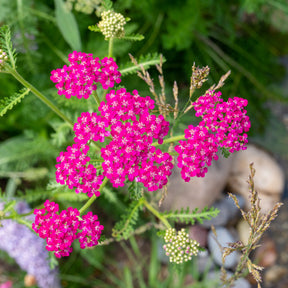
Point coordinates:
pixel 178 246
pixel 3 58
pixel 112 24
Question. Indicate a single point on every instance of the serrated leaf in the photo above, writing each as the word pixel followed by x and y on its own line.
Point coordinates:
pixel 123 228
pixel 145 61
pixel 9 206
pixel 134 190
pixel 133 37
pixel 225 152
pixel 185 216
pixel 67 25
pixel 94 28
pixel 9 102
pixel 6 44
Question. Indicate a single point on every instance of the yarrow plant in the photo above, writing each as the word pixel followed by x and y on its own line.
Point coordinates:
pixel 122 140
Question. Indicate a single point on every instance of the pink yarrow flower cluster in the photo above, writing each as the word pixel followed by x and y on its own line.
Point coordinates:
pixel 197 152
pixel 228 120
pixel 127 120
pixel 223 125
pixel 61 229
pixel 73 170
pixel 84 72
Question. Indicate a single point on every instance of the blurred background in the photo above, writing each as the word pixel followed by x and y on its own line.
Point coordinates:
pixel 247 37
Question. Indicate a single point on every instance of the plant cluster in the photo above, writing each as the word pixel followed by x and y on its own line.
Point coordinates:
pixel 112 137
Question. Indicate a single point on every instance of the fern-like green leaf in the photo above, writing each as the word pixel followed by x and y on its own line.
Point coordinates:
pixel 9 206
pixel 145 61
pixel 133 37
pixel 225 152
pixel 6 44
pixel 94 28
pixel 185 216
pixel 9 102
pixel 134 190
pixel 124 228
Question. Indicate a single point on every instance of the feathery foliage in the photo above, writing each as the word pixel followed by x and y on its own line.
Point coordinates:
pixel 133 37
pixel 6 45
pixel 186 216
pixel 125 226
pixel 145 61
pixel 8 103
pixel 135 191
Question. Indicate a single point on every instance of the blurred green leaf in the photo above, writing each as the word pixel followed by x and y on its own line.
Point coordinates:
pixel 67 25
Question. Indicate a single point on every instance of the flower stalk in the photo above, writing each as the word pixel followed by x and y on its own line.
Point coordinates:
pixel 38 94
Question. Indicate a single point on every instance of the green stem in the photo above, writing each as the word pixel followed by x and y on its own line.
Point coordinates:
pixel 97 100
pixel 38 94
pixel 156 213
pixel 170 140
pixel 110 49
pixel 93 198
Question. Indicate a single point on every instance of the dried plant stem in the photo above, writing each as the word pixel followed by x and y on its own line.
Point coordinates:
pixel 258 223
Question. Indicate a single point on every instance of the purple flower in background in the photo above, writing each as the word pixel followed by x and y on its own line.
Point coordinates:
pixel 27 249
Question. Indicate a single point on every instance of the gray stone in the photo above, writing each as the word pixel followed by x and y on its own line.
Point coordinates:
pixel 199 192
pixel 204 262
pixel 269 178
pixel 223 237
pixel 162 257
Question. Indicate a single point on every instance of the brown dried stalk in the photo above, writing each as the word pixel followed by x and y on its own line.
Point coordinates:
pixel 164 108
pixel 221 81
pixel 198 77
pixel 258 223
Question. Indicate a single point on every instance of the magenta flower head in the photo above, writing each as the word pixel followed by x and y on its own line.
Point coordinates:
pixel 223 125
pixel 83 74
pixel 227 120
pixel 61 229
pixel 124 117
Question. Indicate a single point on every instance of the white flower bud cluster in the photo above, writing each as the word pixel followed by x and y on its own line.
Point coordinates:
pixel 3 58
pixel 178 246
pixel 112 24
